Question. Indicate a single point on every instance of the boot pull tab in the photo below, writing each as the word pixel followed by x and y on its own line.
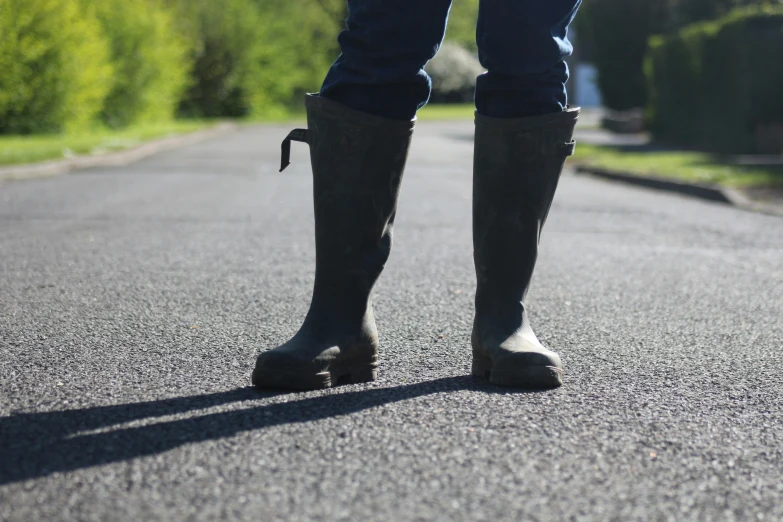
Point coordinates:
pixel 568 148
pixel 285 147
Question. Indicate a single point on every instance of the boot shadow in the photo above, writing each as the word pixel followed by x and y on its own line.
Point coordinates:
pixel 34 445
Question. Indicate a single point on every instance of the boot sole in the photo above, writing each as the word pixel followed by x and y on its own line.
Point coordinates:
pixel 283 380
pixel 529 377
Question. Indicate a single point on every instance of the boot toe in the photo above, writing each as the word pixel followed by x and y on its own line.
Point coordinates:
pixel 281 370
pixel 532 368
pixel 517 371
pixel 537 370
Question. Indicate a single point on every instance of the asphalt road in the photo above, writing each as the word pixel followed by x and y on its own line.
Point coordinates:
pixel 134 300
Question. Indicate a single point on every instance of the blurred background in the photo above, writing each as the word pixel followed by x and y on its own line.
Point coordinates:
pixel 86 76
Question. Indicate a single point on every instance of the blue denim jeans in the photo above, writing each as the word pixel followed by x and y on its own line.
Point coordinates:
pixel 521 43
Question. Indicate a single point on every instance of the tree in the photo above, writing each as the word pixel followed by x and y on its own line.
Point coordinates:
pixel 55 66
pixel 617 32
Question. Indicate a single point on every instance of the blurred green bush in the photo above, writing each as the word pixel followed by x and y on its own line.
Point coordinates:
pixel 462 24
pixel 300 43
pixel 717 86
pixel 617 32
pixel 616 35
pixel 55 68
pixel 70 64
pixel 67 65
pixel 252 57
pixel 149 57
pixel 226 45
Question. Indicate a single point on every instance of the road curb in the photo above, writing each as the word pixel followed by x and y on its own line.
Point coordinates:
pixel 731 196
pixel 112 159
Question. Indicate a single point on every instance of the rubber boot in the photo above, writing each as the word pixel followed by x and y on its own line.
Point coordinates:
pixel 517 164
pixel 357 162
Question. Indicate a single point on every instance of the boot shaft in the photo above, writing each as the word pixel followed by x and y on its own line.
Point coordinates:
pixel 517 165
pixel 357 163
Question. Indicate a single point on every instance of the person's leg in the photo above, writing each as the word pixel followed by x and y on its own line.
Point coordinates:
pixel 523 136
pixel 359 131
pixel 384 50
pixel 522 44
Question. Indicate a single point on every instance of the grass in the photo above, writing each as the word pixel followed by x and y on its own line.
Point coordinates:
pixel 431 112
pixel 18 150
pixel 685 166
pixel 15 150
pixel 692 167
pixel 465 111
pixel 452 111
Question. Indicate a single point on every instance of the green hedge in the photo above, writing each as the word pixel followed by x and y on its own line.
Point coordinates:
pixel 616 33
pixel 254 57
pixel 55 70
pixel 225 47
pixel 67 64
pixel 150 60
pixel 713 85
pixel 299 43
pixel 70 64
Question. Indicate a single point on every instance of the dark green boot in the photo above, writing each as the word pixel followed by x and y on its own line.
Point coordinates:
pixel 517 164
pixel 357 161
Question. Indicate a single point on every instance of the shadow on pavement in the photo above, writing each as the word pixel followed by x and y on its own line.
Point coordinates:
pixel 35 445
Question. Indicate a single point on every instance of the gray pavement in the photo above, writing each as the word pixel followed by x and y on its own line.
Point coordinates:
pixel 133 301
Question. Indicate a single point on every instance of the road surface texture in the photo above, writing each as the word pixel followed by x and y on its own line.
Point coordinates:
pixel 135 300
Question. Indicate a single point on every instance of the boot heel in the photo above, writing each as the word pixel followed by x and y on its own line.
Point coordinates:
pixel 355 375
pixel 482 368
pixel 364 374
